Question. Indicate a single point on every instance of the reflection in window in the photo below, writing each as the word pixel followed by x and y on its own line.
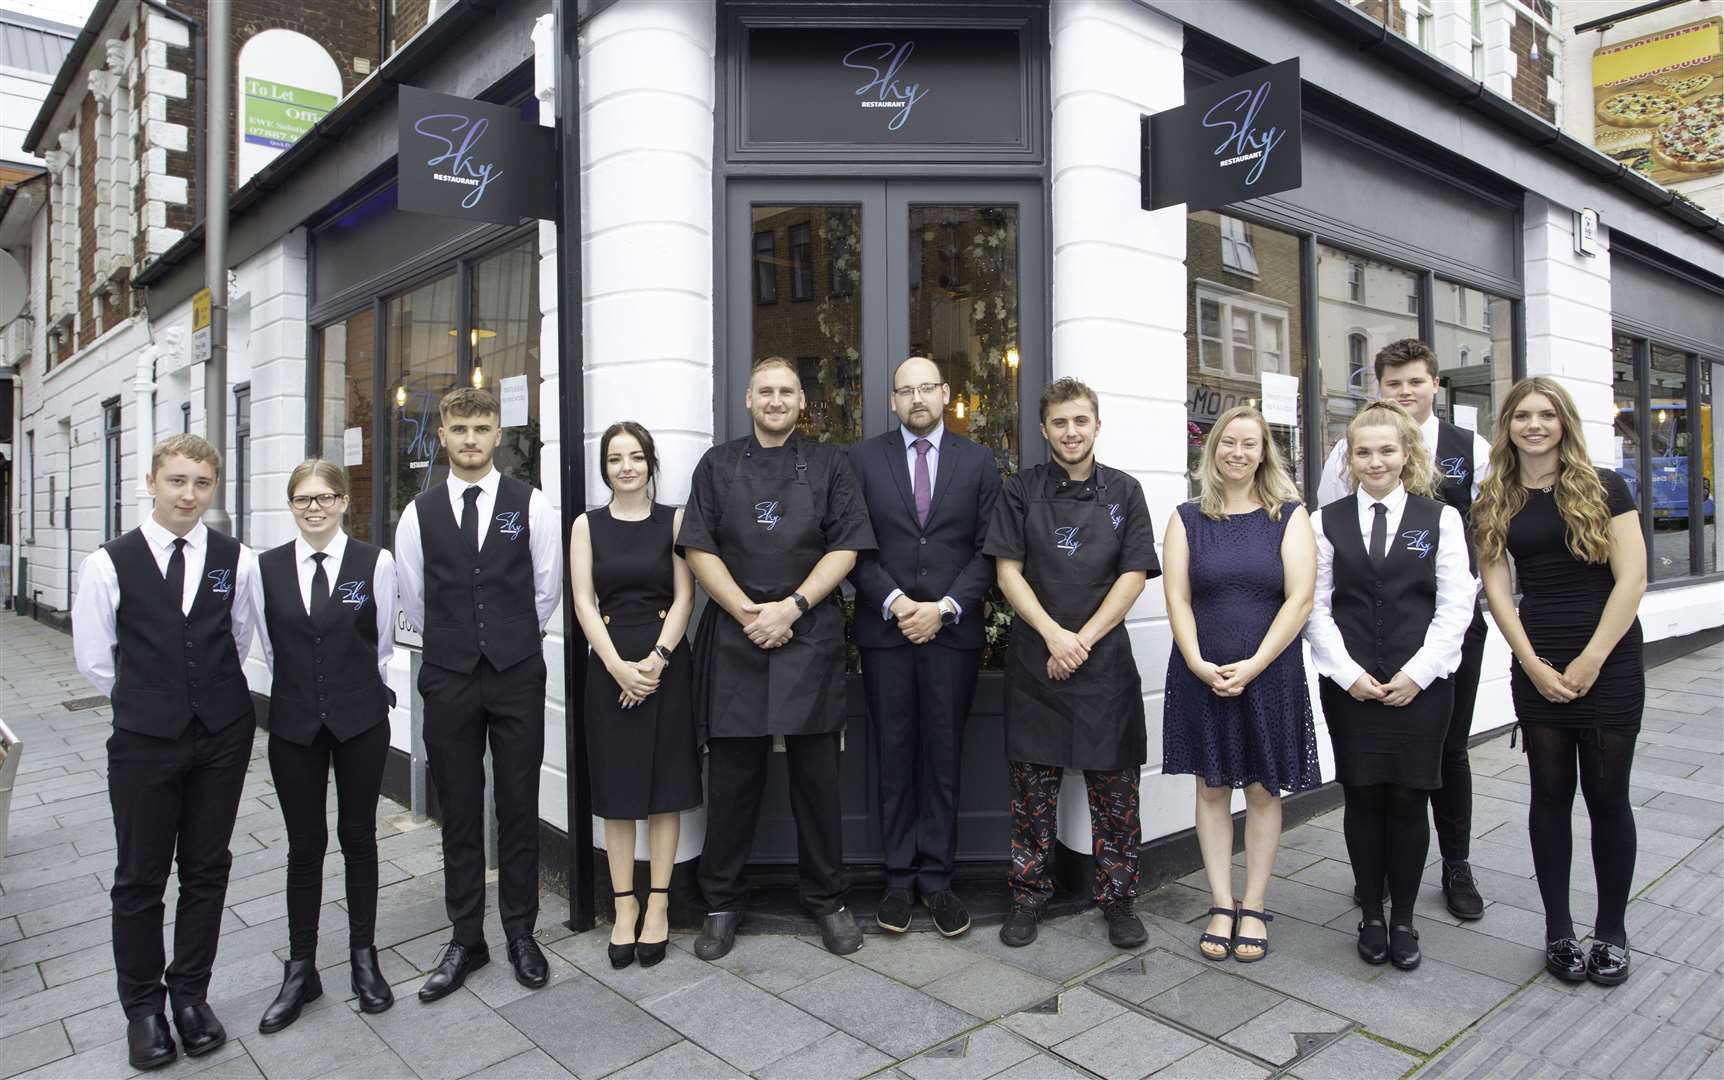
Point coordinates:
pixel 113 471
pixel 1359 310
pixel 964 316
pixel 348 353
pixel 419 368
pixel 1711 434
pixel 504 340
pixel 1240 327
pixel 824 339
pixel 1670 442
pixel 1472 333
pixel 1625 454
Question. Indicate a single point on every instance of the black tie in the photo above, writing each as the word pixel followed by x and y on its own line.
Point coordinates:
pixel 1379 534
pixel 177 573
pixel 319 587
pixel 470 517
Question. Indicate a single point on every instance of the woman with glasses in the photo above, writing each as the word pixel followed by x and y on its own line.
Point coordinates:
pixel 327 629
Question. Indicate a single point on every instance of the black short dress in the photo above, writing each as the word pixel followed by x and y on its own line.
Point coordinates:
pixel 1562 599
pixel 642 760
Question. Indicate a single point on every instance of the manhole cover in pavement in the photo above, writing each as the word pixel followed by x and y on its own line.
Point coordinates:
pixel 81 703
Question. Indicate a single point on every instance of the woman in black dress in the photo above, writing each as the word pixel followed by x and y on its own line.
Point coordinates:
pixel 633 595
pixel 1579 681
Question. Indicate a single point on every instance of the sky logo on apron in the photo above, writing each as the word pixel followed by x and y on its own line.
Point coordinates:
pixel 1454 468
pixel 1418 541
pixel 509 524
pixel 1115 516
pixel 1065 539
pixel 221 582
pixel 766 513
pixel 352 593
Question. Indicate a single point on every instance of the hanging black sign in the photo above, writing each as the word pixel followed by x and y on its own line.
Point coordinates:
pixel 470 159
pixel 1236 140
pixel 884 86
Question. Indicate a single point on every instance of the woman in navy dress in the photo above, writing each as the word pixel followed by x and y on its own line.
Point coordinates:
pixel 1240 566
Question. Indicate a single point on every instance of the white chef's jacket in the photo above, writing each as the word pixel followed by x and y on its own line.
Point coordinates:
pixel 382 595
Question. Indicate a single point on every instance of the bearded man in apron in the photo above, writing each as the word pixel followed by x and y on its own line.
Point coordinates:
pixel 773 524
pixel 1073 546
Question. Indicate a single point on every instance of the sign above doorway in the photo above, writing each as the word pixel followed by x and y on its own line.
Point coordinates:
pixel 1235 140
pixel 471 159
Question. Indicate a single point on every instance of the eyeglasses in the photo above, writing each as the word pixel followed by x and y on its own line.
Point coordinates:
pixel 927 390
pixel 324 500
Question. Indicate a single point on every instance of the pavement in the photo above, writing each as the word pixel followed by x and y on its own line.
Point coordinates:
pixel 913 1006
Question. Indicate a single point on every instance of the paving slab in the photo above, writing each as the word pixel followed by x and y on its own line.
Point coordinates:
pixel 612 1032
pixel 980 1054
pixel 448 1038
pixel 989 989
pixel 899 1020
pixel 1142 977
pixel 1214 1002
pixel 736 1020
pixel 1069 1013
pixel 1128 1047
pixel 1353 1057
pixel 37 1046
pixel 1055 954
pixel 679 1061
pixel 1289 1031
pixel 839 1056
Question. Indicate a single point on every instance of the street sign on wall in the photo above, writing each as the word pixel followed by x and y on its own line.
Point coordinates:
pixel 287 83
pixel 201 331
pixel 471 159
pixel 1236 140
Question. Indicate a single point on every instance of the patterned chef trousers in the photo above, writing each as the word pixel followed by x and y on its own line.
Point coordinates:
pixel 1113 827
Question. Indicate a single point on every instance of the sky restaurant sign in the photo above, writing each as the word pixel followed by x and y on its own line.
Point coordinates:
pixel 471 159
pixel 1233 141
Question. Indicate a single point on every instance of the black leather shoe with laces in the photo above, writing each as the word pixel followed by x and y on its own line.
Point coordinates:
pixel 894 911
pixel 1124 929
pixel 1020 927
pixel 1607 964
pixel 528 960
pixel 951 918
pixel 452 970
pixel 1461 892
pixel 1564 959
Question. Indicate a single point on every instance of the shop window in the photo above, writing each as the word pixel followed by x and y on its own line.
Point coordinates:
pixel 504 343
pixel 765 268
pixel 1625 387
pixel 348 351
pixel 801 262
pixel 1356 282
pixel 1358 365
pixel 1238 335
pixel 1470 334
pixel 1670 450
pixel 1711 433
pixel 824 339
pixel 419 367
pixel 1359 310
pixel 841 252
pixel 113 471
pixel 241 461
pixel 1413 296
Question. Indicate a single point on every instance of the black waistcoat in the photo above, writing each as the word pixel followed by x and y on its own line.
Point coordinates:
pixel 1455 466
pixel 1383 614
pixel 170 667
pixel 479 603
pixel 325 671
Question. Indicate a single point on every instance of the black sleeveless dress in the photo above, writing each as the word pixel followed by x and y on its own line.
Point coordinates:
pixel 642 760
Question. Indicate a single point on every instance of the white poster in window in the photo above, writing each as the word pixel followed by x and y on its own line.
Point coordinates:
pixel 1467 416
pixel 353 447
pixel 513 391
pixel 1617 451
pixel 1280 399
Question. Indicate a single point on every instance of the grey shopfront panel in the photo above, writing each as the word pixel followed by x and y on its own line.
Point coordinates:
pixel 1665 303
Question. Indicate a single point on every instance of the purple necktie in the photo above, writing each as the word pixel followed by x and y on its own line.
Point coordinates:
pixel 924 489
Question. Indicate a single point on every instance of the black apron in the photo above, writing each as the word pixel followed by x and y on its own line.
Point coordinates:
pixel 1095 719
pixel 770 538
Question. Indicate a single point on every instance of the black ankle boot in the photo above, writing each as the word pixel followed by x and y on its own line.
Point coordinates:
pixel 300 986
pixel 369 985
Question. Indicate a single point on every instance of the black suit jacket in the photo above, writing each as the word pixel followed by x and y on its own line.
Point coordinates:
pixel 943 558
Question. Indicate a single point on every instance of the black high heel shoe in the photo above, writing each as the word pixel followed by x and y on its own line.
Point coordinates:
pixel 622 955
pixel 651 952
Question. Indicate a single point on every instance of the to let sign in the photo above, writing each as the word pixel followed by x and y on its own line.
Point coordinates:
pixel 471 159
pixel 1229 142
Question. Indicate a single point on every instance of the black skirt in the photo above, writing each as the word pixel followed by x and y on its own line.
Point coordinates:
pixel 642 760
pixel 1384 744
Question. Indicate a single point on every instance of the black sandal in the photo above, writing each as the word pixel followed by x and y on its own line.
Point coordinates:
pixel 1261 943
pixel 1226 943
pixel 651 952
pixel 622 955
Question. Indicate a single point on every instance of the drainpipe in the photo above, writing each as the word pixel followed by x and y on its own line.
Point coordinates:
pixel 220 91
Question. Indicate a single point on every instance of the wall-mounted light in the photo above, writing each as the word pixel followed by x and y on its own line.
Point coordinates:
pixel 1012 358
pixel 1533 55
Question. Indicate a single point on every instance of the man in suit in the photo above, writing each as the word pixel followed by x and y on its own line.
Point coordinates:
pixel 919 623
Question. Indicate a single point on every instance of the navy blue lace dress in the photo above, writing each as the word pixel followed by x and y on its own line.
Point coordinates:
pixel 1265 735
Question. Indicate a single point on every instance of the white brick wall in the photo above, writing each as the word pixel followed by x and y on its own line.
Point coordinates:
pixel 1568 331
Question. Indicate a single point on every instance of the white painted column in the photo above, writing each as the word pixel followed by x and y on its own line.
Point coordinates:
pixel 144 421
pixel 1568 331
pixel 275 348
pixel 1119 306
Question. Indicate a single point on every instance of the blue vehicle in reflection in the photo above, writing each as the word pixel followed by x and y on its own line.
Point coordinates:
pixel 1671 442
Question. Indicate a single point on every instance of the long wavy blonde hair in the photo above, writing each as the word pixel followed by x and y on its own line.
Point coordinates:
pixel 1271 486
pixel 1419 474
pixel 1579 492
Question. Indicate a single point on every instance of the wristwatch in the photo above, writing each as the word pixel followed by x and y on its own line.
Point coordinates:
pixel 663 654
pixel 948 612
pixel 800 601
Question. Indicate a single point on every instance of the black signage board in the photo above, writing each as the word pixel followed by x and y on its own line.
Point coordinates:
pixel 1233 141
pixel 884 86
pixel 471 159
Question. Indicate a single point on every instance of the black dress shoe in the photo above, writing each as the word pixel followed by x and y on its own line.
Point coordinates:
pixel 369 985
pixel 1374 941
pixel 531 970
pixel 458 962
pixel 1461 892
pixel 840 932
pixel 149 1042
pixel 951 918
pixel 1020 927
pixel 1124 929
pixel 717 935
pixel 1404 947
pixel 300 986
pixel 651 952
pixel 1607 964
pixel 200 1031
pixel 894 911
pixel 1564 959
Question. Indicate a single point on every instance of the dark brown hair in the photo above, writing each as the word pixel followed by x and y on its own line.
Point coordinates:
pixel 1067 389
pixel 642 436
pixel 1405 351
pixel 467 401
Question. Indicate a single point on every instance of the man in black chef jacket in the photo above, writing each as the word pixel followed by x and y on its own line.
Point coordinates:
pixel 479 571
pixel 773 523
pixel 161 624
pixel 920 612
pixel 1073 546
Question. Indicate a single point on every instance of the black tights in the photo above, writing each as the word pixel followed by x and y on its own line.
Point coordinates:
pixel 1387 835
pixel 1601 760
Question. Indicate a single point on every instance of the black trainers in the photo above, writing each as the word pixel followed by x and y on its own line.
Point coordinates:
pixel 894 911
pixel 1461 891
pixel 951 918
pixel 1020 927
pixel 1124 929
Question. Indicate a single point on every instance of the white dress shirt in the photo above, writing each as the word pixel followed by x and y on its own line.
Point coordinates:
pixel 544 539
pixel 382 595
pixel 1337 479
pixel 1440 654
pixel 910 438
pixel 98 598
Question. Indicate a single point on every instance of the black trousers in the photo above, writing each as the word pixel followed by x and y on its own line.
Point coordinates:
pixel 461 713
pixel 172 795
pixel 918 701
pixel 301 775
pixel 735 780
pixel 1452 804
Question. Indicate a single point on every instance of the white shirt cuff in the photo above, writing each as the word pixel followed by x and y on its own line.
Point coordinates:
pixel 886 608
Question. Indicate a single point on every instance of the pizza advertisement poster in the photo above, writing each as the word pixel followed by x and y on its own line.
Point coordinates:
pixel 1659 102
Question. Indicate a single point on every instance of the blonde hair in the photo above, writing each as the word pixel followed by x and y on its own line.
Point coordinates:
pixel 1579 492
pixel 771 362
pixel 1419 474
pixel 1271 486
pixel 322 469
pixel 195 447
